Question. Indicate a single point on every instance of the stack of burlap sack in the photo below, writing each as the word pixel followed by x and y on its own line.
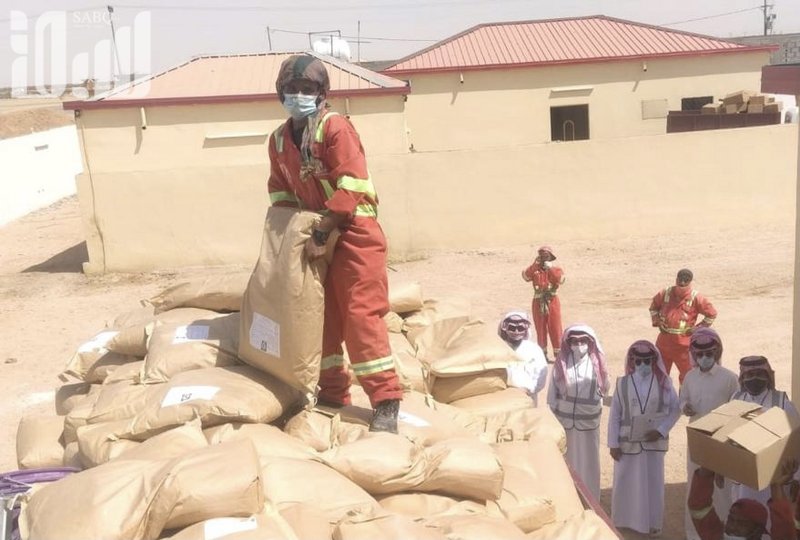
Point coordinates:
pixel 179 438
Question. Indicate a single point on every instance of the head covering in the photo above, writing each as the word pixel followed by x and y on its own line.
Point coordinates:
pixel 302 66
pixel 645 349
pixel 513 316
pixel 751 510
pixel 756 363
pixel 684 274
pixel 596 355
pixel 705 338
pixel 549 250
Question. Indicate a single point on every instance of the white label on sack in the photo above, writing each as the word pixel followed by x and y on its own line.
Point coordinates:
pixel 222 527
pixel 412 420
pixel 184 394
pixel 190 332
pixel 98 342
pixel 265 335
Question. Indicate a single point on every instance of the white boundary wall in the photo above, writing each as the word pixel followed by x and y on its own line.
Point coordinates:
pixel 37 170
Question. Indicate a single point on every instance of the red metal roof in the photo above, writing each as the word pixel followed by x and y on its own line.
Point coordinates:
pixel 560 41
pixel 232 78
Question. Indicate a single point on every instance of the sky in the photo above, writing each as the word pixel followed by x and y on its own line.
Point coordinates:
pixel 63 41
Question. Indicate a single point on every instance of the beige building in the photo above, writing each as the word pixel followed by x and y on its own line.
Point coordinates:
pixel 176 166
pixel 534 82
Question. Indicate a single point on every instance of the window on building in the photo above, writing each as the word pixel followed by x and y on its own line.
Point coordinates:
pixel 570 123
pixel 695 103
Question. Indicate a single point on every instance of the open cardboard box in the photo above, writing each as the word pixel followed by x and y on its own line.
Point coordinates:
pixel 741 441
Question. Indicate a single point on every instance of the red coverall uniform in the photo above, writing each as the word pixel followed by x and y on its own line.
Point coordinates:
pixel 674 310
pixel 546 307
pixel 710 527
pixel 356 287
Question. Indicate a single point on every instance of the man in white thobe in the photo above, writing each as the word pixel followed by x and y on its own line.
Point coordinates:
pixel 575 395
pixel 643 411
pixel 707 386
pixel 757 385
pixel 530 371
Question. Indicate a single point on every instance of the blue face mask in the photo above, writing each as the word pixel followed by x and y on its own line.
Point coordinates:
pixel 300 105
pixel 644 370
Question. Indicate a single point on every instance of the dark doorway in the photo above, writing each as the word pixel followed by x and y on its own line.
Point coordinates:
pixel 569 123
pixel 695 103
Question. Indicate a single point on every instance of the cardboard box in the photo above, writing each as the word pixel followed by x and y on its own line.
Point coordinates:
pixel 731 108
pixel 741 441
pixel 711 108
pixel 773 107
pixel 737 98
pixel 758 100
pixel 755 107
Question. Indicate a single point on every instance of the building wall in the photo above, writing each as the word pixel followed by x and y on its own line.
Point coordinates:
pixel 512 106
pixel 788 46
pixel 38 170
pixel 190 188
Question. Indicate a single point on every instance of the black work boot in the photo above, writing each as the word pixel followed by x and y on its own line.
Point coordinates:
pixel 385 416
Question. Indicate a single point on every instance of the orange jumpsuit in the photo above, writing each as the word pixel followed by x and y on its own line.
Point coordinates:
pixel 675 310
pixel 710 527
pixel 336 179
pixel 546 306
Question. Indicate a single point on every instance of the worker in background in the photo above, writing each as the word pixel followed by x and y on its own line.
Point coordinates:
pixel 643 412
pixel 707 386
pixel 317 163
pixel 674 311
pixel 577 388
pixel 546 307
pixel 530 372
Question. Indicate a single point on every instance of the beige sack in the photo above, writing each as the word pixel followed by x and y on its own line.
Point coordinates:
pixel 203 343
pixel 536 473
pixel 171 444
pixel 405 297
pixel 521 425
pixel 409 369
pixel 282 309
pixel 129 373
pixel 385 463
pixel 469 469
pixel 69 395
pixel 217 481
pixel 436 310
pixel 269 441
pixel 132 340
pixel 40 442
pixel 449 389
pixel 79 416
pixel 476 527
pixel 451 349
pixel 394 322
pixel 216 396
pixel 217 293
pixel 315 428
pixel 425 505
pixel 307 522
pixel 384 526
pixel 106 365
pixel 134 317
pixel 315 484
pixel 99 443
pixel 587 526
pixel 111 502
pixel 72 457
pixel 120 401
pixel 505 401
pixel 268 525
pixel 88 353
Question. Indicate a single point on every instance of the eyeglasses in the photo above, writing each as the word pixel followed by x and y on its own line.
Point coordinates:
pixel 517 327
pixel 645 361
pixel 704 354
pixel 577 340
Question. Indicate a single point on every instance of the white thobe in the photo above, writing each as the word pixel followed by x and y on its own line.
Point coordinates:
pixel 530 373
pixel 637 498
pixel 583 446
pixel 740 491
pixel 705 391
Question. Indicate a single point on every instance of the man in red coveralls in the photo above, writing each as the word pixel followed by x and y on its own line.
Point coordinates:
pixel 546 308
pixel 674 312
pixel 317 163
pixel 747 518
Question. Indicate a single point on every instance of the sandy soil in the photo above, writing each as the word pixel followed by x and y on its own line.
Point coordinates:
pixel 18 121
pixel 48 307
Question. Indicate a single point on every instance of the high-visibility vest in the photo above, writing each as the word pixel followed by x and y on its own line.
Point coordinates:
pixel 360 185
pixel 682 328
pixel 630 403
pixel 576 412
pixel 778 398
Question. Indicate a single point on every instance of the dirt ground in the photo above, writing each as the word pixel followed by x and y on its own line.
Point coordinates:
pixel 48 307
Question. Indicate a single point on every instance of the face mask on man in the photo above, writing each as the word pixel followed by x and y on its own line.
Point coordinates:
pixel 644 368
pixel 705 362
pixel 755 386
pixel 579 350
pixel 300 105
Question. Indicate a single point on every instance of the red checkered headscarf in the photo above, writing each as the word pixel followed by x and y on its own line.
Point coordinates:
pixel 702 339
pixel 596 355
pixel 749 364
pixel 645 349
pixel 751 510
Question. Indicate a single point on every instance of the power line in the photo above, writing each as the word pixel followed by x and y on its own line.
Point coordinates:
pixel 711 16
